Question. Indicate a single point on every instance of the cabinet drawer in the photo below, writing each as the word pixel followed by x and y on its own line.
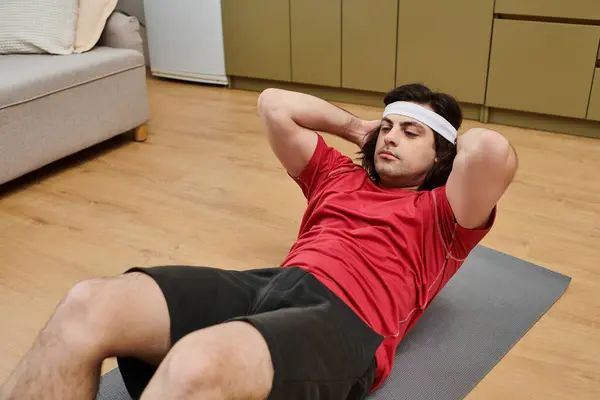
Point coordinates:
pixel 369 44
pixel 451 55
pixel 316 41
pixel 257 38
pixel 594 108
pixel 579 9
pixel 542 67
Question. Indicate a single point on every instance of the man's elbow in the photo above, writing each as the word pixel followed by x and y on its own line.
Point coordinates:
pixel 495 151
pixel 270 101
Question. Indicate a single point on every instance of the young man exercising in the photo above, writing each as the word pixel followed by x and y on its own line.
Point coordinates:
pixel 377 243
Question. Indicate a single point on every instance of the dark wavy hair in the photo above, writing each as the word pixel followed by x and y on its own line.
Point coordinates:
pixel 444 105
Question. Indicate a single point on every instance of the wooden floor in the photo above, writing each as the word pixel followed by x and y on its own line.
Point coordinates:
pixel 206 190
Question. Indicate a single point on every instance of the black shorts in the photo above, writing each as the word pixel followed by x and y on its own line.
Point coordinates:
pixel 319 347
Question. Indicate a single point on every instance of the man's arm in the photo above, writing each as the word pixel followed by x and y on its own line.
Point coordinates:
pixel 484 166
pixel 290 120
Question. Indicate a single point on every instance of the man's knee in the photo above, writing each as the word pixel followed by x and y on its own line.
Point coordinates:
pixel 193 368
pixel 208 363
pixel 77 314
pixel 85 315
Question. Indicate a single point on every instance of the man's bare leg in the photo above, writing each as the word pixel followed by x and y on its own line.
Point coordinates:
pixel 228 361
pixel 121 316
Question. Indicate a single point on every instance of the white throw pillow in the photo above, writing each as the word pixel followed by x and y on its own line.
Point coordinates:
pixel 92 17
pixel 37 26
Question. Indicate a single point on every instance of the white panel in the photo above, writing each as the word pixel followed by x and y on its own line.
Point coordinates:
pixel 185 39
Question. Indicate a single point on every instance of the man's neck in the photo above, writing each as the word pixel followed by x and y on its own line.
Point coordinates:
pixel 410 188
pixel 399 184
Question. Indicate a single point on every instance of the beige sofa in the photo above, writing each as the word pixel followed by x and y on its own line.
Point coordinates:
pixel 52 106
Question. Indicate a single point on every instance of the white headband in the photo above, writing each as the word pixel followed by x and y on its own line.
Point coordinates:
pixel 433 120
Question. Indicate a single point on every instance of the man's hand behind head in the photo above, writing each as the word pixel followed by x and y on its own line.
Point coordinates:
pixel 362 129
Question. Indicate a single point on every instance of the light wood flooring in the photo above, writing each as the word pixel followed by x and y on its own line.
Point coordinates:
pixel 206 190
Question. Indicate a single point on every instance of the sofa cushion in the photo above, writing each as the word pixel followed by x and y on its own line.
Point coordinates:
pixel 122 32
pixel 37 26
pixel 28 77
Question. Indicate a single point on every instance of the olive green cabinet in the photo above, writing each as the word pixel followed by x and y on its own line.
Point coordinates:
pixel 594 107
pixel 257 38
pixel 519 58
pixel 369 44
pixel 316 27
pixel 542 67
pixel 576 9
pixel 445 45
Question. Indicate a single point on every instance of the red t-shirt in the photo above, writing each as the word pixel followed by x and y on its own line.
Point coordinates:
pixel 385 252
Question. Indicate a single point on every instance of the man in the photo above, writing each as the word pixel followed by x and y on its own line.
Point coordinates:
pixel 376 245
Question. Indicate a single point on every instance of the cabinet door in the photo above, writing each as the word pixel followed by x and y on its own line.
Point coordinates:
pixel 594 107
pixel 580 9
pixel 257 38
pixel 542 67
pixel 317 41
pixel 369 44
pixel 445 45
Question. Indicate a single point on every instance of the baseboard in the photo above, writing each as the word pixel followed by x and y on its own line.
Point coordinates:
pixel 551 123
pixel 325 92
pixel 192 77
pixel 375 99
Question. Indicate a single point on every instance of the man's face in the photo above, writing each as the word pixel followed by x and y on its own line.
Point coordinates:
pixel 405 151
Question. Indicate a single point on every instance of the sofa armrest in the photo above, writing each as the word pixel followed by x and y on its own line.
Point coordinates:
pixel 122 31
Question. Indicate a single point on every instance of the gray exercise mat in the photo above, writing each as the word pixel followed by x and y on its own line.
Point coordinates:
pixel 491 302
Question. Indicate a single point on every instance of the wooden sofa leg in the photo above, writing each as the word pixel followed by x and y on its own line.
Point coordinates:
pixel 140 133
